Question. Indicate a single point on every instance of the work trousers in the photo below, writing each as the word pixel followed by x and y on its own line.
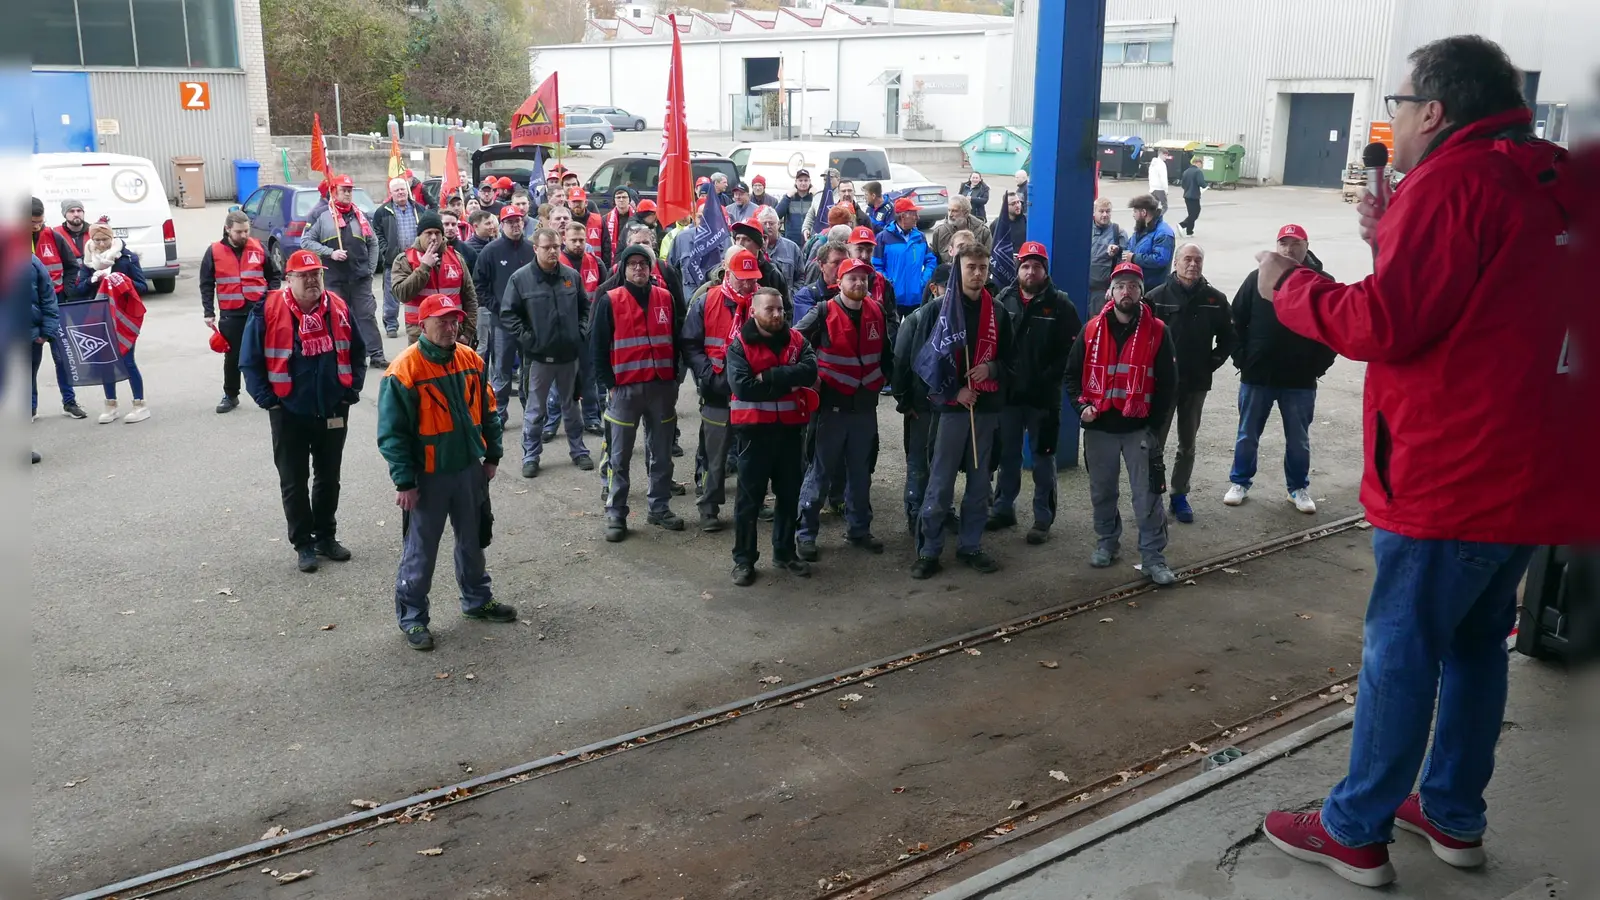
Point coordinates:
pixel 356 291
pixel 843 457
pixel 1187 411
pixel 543 379
pixel 231 325
pixel 391 305
pixel 456 498
pixel 58 356
pixel 715 444
pixel 766 455
pixel 952 441
pixel 303 446
pixel 503 371
pixel 1041 426
pixel 653 404
pixel 1104 455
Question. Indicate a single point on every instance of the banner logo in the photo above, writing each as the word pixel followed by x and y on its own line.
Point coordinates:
pixel 92 347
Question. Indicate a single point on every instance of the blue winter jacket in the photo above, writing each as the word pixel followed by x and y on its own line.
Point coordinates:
pixel 1152 250
pixel 46 311
pixel 84 287
pixel 908 262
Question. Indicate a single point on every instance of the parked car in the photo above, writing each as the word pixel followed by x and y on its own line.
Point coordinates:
pixel 587 130
pixel 125 189
pixel 641 171
pixel 616 116
pixel 777 161
pixel 933 198
pixel 278 215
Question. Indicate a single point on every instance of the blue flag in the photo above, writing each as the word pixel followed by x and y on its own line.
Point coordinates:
pixel 1002 259
pixel 707 242
pixel 935 362
pixel 91 341
pixel 819 223
pixel 536 177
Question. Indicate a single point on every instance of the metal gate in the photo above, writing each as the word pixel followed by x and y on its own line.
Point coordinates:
pixel 1319 139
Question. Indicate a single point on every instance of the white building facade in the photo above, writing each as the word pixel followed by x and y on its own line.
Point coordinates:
pixel 1301 84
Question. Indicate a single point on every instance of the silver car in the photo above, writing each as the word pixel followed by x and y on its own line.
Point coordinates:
pixel 932 197
pixel 587 130
pixel 619 118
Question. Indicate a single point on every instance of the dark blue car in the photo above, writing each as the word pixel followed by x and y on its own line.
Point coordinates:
pixel 278 215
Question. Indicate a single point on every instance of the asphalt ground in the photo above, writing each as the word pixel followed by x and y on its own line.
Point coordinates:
pixel 189 720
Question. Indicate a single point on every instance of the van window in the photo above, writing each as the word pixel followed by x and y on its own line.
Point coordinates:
pixel 607 178
pixel 707 168
pixel 741 159
pixel 860 165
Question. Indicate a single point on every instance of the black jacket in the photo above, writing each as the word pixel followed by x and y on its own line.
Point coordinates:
pixel 778 380
pixel 388 232
pixel 910 394
pixel 208 281
pixel 314 387
pixel 492 272
pixel 467 252
pixel 602 326
pixel 1201 325
pixel 547 313
pixel 920 323
pixel 1046 326
pixel 1164 396
pixel 1268 354
pixel 1192 180
pixel 814 328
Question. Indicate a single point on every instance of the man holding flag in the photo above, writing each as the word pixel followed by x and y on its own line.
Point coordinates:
pixel 965 360
pixel 348 246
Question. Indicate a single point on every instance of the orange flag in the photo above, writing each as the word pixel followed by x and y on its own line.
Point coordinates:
pixel 319 153
pixel 452 172
pixel 397 167
pixel 675 192
pixel 535 121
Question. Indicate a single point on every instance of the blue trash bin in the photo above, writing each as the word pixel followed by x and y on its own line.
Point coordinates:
pixel 246 178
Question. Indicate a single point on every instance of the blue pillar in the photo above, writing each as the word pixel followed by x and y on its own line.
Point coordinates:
pixel 1066 122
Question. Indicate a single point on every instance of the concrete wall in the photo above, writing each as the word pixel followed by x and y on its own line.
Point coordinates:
pixel 368 168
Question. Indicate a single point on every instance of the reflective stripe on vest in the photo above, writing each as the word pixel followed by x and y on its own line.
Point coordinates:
pixel 787 410
pixel 860 370
pixel 239 279
pixel 721 324
pixel 641 339
pixel 283 326
pixel 49 253
pixel 445 279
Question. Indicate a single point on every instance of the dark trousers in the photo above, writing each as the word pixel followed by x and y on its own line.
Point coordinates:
pixel 58 354
pixel 232 328
pixel 1194 214
pixel 302 445
pixel 766 454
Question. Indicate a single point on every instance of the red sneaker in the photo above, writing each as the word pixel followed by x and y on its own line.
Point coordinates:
pixel 1302 836
pixel 1458 853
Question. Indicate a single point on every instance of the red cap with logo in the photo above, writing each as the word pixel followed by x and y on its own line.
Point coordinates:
pixel 303 261
pixel 503 183
pixel 1292 231
pixel 340 181
pixel 759 179
pixel 863 235
pixel 440 305
pixel 646 206
pixel 577 195
pixel 853 265
pixel 906 204
pixel 1127 268
pixel 218 342
pixel 744 265
pixel 1033 248
pixel 510 211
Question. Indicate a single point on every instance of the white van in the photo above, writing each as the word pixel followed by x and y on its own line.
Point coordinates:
pixel 127 191
pixel 777 161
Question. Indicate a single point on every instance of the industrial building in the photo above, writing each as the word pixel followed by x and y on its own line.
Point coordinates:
pixel 152 78
pixel 1300 85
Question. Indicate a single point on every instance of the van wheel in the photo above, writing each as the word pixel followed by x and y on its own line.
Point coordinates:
pixel 164 285
pixel 598 142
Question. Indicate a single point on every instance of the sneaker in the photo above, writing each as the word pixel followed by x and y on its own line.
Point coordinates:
pixel 866 542
pixel 110 415
pixel 1160 573
pixel 594 429
pixel 978 561
pixel 308 558
pixel 1456 852
pixel 73 411
pixel 1037 535
pixel 677 449
pixel 1102 558
pixel 999 519
pixel 679 489
pixel 795 567
pixel 669 520
pixel 744 575
pixel 765 513
pixel 1301 500
pixel 530 469
pixel 417 636
pixel 583 462
pixel 616 529
pixel 1302 836
pixel 546 437
pixel 1181 510
pixel 807 550
pixel 392 331
pixel 1235 495
pixel 709 523
pixel 139 413
pixel 493 611
pixel 227 404
pixel 333 550
pixel 378 362
pixel 925 567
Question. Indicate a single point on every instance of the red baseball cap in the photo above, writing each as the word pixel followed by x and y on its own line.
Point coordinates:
pixel 646 206
pixel 853 265
pixel 509 211
pixel 759 179
pixel 863 235
pixel 906 204
pixel 218 342
pixel 744 265
pixel 1294 231
pixel 502 182
pixel 577 195
pixel 488 181
pixel 303 261
pixel 751 224
pixel 1127 268
pixel 440 305
pixel 559 169
pixel 340 181
pixel 1033 248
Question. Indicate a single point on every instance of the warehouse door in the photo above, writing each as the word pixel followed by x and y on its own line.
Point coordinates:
pixel 1319 139
pixel 63 118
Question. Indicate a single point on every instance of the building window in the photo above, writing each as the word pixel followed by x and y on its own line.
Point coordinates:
pixel 1148 113
pixel 1137 52
pixel 1153 113
pixel 106 28
pixel 1108 112
pixel 211 34
pixel 1112 55
pixel 1161 52
pixel 171 34
pixel 55 35
pixel 158 31
pixel 1550 121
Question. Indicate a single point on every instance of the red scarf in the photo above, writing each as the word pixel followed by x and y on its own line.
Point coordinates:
pixel 348 208
pixel 325 329
pixel 1126 382
pixel 614 225
pixel 988 343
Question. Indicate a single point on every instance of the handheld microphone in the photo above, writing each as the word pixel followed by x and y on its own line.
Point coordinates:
pixel 1375 159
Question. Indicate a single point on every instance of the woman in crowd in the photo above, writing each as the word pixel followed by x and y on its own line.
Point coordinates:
pixel 977 190
pixel 110 269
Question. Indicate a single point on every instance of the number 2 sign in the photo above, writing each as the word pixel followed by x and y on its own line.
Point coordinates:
pixel 194 94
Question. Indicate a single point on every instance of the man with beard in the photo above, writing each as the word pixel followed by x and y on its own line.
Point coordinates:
pixel 430 266
pixel 959 218
pixel 714 320
pixel 235 275
pixel 73 227
pixel 1152 243
pixel 829 258
pixel 1046 324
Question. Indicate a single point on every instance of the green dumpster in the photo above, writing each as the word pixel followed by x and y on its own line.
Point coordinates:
pixel 1219 162
pixel 999 150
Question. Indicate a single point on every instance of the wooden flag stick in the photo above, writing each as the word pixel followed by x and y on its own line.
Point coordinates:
pixel 972 417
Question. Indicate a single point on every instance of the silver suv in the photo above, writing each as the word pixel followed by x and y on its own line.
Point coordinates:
pixel 587 130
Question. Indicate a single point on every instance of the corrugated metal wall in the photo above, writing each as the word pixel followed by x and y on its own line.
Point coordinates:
pixel 152 122
pixel 1024 61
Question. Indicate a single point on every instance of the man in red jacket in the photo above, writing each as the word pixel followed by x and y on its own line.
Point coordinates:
pixel 1468 403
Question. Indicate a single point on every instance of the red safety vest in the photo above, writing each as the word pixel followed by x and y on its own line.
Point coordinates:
pixel 283 321
pixel 49 253
pixel 792 409
pixel 76 240
pixel 591 233
pixel 615 225
pixel 852 358
pixel 240 279
pixel 445 279
pixel 127 310
pixel 641 340
pixel 722 325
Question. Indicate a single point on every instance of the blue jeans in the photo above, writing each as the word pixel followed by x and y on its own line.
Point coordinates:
pixel 1437 608
pixel 135 380
pixel 58 355
pixel 1296 406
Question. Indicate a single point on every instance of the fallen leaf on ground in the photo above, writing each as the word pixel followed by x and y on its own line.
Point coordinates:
pixel 1106 619
pixel 772 679
pixel 76 782
pixel 1133 604
pixel 1233 571
pixel 295 747
pixel 867 684
pixel 850 698
pixel 226 592
pixel 1302 615
pixel 364 804
pixel 1059 775
pixel 1033 818
pixel 1015 804
pixel 1196 747
pixel 973 651
pixel 523 491
pixel 329 627
pixel 1191 581
pixel 705 595
pixel 291 877
pixel 898 790
pixel 1049 664
pixel 440 676
pixel 1007 828
pixel 799 706
pixel 582 858
pixel 1272 698
pixel 1350 699
pixel 469 676
pixel 275 831
pixel 274 540
pixel 127 612
pixel 431 851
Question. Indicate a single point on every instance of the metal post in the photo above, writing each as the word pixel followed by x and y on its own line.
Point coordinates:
pixel 803 85
pixel 1061 190
pixel 338 111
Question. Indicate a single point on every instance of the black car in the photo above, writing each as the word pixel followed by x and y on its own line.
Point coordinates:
pixel 639 170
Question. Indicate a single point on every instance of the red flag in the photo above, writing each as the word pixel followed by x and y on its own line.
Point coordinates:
pixel 319 153
pixel 675 191
pixel 535 121
pixel 452 172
